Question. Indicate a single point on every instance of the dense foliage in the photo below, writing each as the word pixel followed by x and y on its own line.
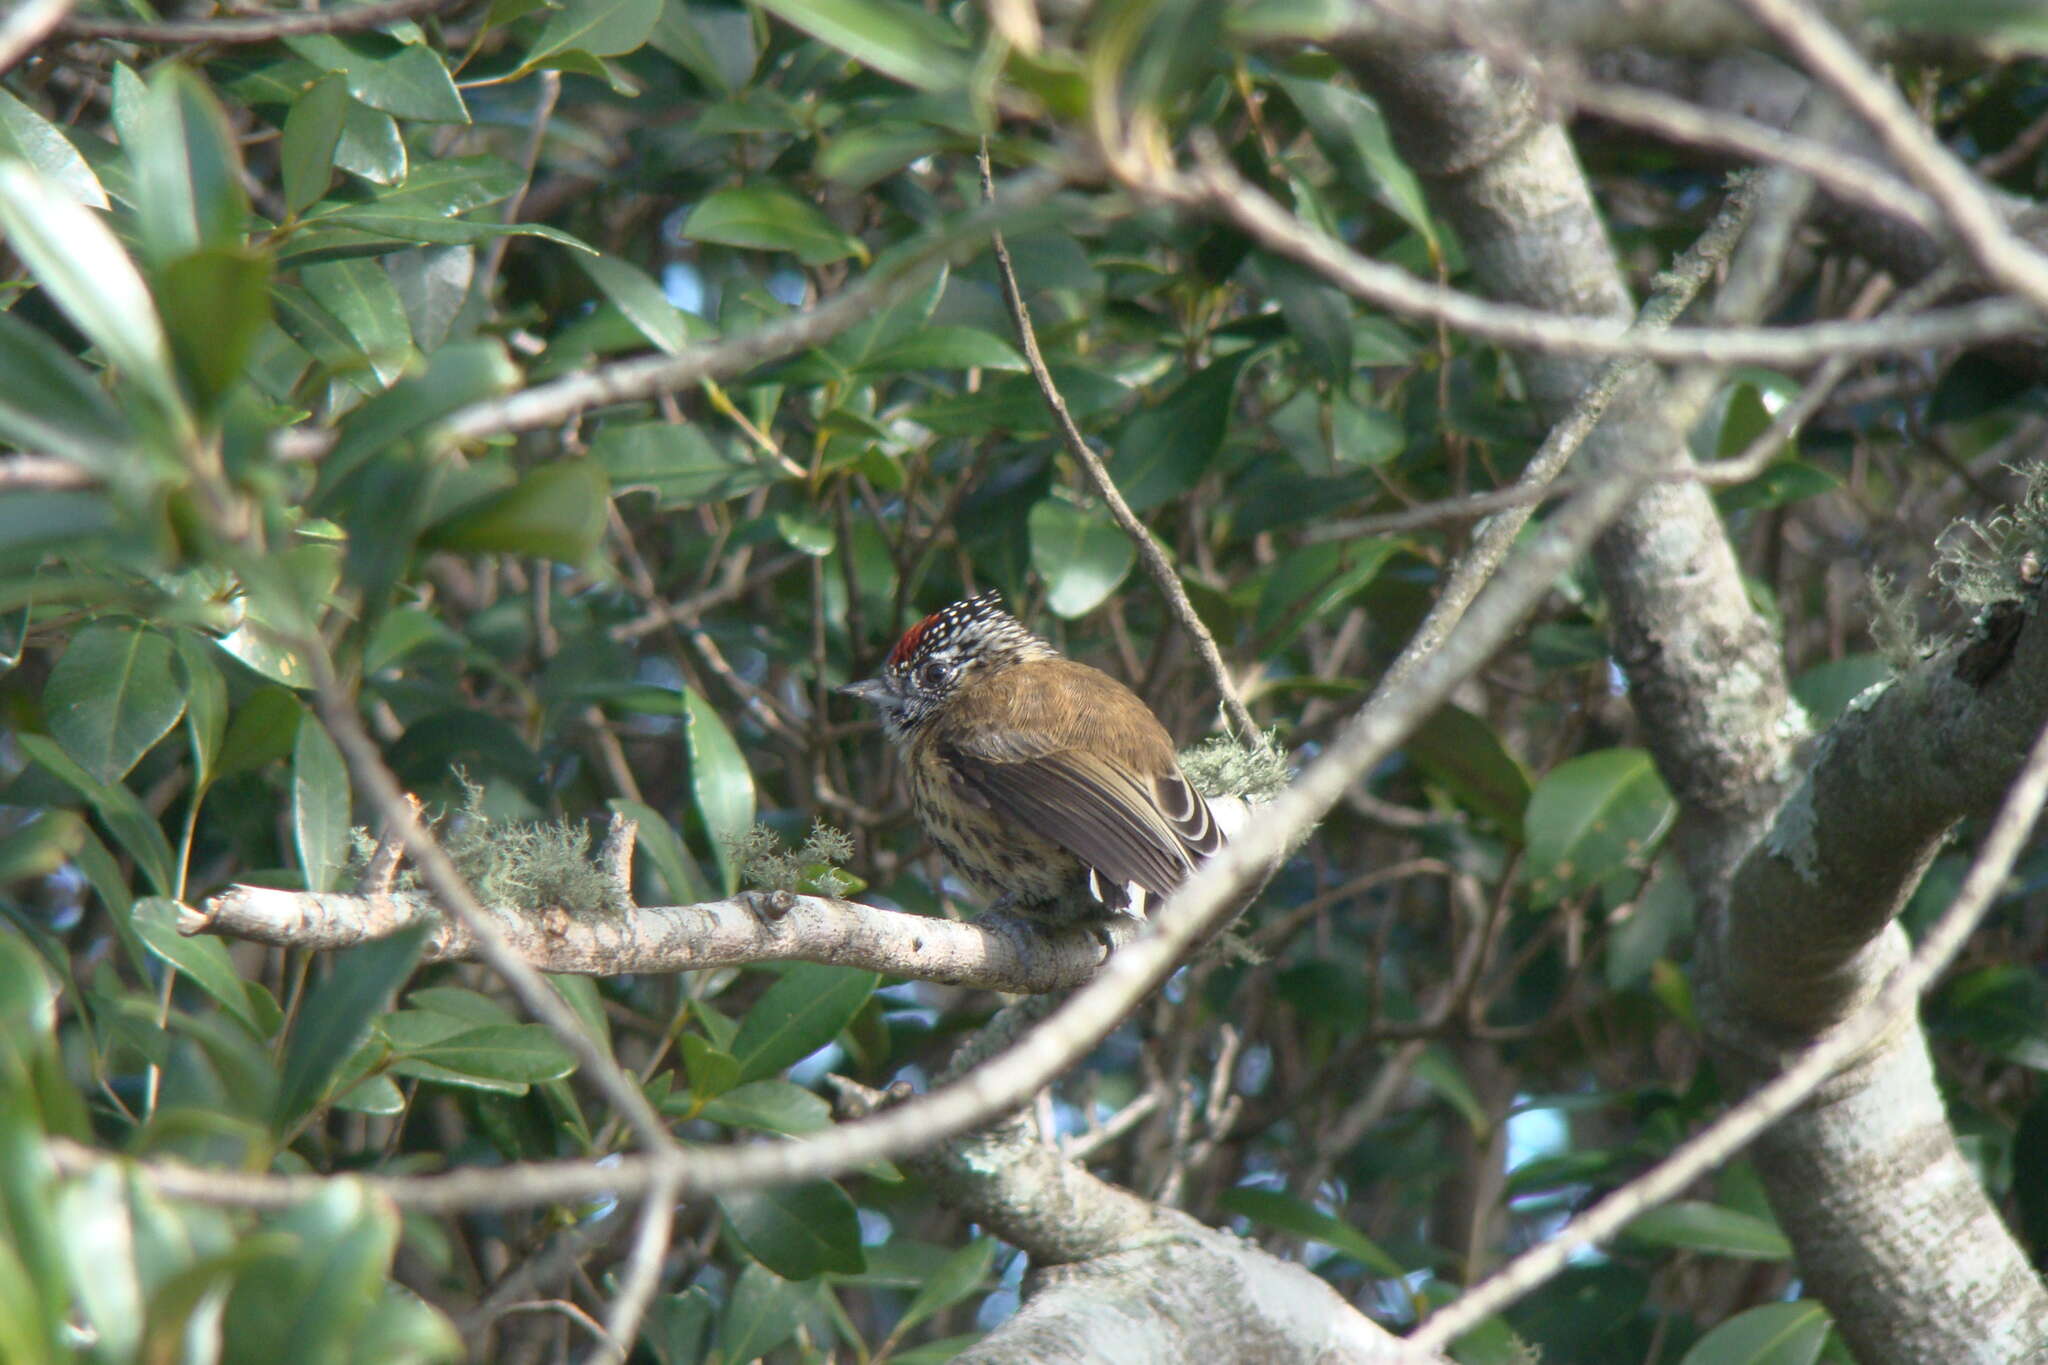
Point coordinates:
pixel 265 307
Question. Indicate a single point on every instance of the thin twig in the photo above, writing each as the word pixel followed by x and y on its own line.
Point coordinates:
pixel 1848 176
pixel 1150 552
pixel 643 1273
pixel 261 29
pixel 645 376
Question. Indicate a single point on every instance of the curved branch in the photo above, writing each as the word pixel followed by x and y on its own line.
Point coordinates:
pixel 1215 188
pixel 256 29
pixel 996 952
pixel 1112 1267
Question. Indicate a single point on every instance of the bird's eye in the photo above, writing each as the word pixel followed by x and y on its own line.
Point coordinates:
pixel 933 674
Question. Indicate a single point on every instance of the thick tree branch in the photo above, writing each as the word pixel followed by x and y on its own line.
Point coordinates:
pixel 1121 1279
pixel 1812 902
pixel 996 952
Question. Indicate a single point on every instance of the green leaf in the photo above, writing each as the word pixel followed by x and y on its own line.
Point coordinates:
pixel 1012 403
pixel 100 1244
pixel 371 146
pixel 676 1326
pixel 320 807
pixel 188 170
pixel 603 28
pixel 336 1016
pixel 306 1299
pixel 1082 555
pixel 896 39
pixel 1780 482
pixel 216 302
pixel 202 957
pixel 945 348
pixel 132 826
pixel 312 132
pixel 682 466
pixel 407 80
pixel 42 846
pixel 1462 751
pixel 1163 450
pixel 556 512
pixel 262 730
pixel 721 782
pixel 42 144
pixel 457 375
pixel 1774 1334
pixel 497 1055
pixel 1317 313
pixel 802 533
pixel 360 296
pixel 1314 580
pixel 1351 129
pixel 763 1311
pixel 206 703
pixel 73 255
pixel 770 1106
pixel 798 1015
pixel 1691 1225
pixel 797 1231
pixel 962 1274
pixel 642 301
pixel 1591 816
pixel 770 218
pixel 710 1072
pixel 1277 1209
pixel 111 696
pixel 1826 689
pixel 49 403
pixel 434 189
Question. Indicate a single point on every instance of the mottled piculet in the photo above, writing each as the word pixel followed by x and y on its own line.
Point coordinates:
pixel 1048 785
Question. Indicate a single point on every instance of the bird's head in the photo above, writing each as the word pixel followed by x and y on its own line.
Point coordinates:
pixel 941 654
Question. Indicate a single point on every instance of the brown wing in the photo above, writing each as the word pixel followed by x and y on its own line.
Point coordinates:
pixel 1079 760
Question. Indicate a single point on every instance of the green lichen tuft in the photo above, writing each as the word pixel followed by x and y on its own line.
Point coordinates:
pixel 509 865
pixel 1894 627
pixel 1223 766
pixel 1980 563
pixel 811 870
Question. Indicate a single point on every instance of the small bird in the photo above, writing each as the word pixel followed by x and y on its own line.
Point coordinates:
pixel 1050 788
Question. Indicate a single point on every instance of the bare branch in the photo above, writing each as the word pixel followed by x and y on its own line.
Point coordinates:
pixel 646 376
pixel 1214 187
pixel 996 952
pixel 255 29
